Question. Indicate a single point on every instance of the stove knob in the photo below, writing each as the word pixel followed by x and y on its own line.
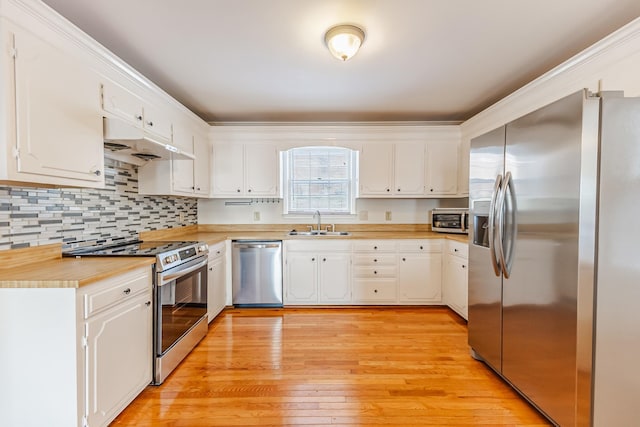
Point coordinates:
pixel 202 248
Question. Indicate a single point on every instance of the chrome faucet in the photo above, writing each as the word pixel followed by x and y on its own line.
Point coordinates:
pixel 319 218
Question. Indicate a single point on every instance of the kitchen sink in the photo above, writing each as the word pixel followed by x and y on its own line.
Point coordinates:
pixel 318 233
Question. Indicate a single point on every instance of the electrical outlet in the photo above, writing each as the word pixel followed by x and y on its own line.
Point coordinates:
pixel 181 216
pixel 256 216
pixel 363 216
pixel 387 215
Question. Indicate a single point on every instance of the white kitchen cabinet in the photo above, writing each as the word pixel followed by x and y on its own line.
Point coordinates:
pixel 179 177
pixel 245 170
pixel 317 272
pixel 216 280
pixel 392 170
pixel 375 272
pixel 121 103
pixel 334 273
pixel 455 281
pixel 54 123
pixel 420 271
pixel 442 169
pixel 87 351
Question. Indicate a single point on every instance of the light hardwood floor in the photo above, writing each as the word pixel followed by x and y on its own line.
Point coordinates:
pixel 332 366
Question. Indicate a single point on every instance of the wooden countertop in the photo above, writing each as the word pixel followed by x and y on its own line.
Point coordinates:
pixel 68 272
pixel 43 267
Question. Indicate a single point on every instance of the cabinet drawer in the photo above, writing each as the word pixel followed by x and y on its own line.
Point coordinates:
pixel 373 260
pixel 97 301
pixel 374 290
pixel 434 245
pixel 374 246
pixel 458 249
pixel 216 251
pixel 374 272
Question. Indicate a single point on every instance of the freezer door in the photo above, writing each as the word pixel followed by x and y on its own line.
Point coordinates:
pixel 617 381
pixel 539 317
pixel 485 280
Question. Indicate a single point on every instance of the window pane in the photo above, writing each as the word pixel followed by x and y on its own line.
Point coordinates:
pixel 319 178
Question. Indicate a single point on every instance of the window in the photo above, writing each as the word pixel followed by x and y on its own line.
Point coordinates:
pixel 319 178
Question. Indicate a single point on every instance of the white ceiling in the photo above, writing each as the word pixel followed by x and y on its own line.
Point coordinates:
pixel 265 60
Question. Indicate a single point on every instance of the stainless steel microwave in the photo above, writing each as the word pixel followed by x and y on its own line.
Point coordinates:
pixel 450 220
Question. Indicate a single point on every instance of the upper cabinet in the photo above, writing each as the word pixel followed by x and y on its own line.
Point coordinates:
pixel 442 169
pixel 51 112
pixel 245 170
pixel 392 170
pixel 122 103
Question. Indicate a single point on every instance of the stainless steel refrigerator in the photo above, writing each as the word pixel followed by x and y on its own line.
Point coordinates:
pixel 554 289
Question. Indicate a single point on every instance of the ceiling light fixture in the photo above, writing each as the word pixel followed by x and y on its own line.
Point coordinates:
pixel 343 41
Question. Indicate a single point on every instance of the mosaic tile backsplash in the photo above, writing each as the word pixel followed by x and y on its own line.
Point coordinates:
pixel 40 216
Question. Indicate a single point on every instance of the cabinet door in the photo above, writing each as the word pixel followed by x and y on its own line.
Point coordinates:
pixel 216 287
pixel 376 170
pixel 201 165
pixel 301 278
pixel 158 122
pixel 262 172
pixel 334 278
pixel 442 168
pixel 119 358
pixel 409 169
pixel 228 170
pixel 420 277
pixel 455 284
pixel 121 103
pixel 58 118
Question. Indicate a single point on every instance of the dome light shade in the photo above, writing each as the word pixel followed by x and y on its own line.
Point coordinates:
pixel 343 41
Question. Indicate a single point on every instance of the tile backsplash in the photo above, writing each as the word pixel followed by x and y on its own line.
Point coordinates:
pixel 39 216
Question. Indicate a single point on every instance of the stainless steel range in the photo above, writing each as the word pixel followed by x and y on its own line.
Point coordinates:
pixel 180 295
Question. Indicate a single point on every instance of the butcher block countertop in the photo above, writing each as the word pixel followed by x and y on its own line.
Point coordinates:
pixel 212 234
pixel 44 266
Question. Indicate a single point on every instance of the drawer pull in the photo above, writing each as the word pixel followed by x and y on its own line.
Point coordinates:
pixel 324 259
pixel 464 266
pixel 421 247
pixel 375 260
pixel 127 291
pixel 375 291
pixel 313 259
pixel 148 303
pixel 404 259
pixel 375 272
pixel 455 250
pixel 375 247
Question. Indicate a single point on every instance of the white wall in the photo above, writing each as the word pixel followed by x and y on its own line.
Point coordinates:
pixel 405 211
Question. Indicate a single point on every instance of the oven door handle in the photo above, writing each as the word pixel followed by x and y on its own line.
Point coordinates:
pixel 166 278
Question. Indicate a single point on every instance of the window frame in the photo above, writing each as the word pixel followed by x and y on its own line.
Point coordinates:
pixel 286 183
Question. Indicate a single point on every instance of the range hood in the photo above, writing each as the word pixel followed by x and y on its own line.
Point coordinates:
pixel 131 144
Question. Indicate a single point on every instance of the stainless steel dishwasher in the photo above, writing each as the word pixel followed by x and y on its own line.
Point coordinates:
pixel 257 273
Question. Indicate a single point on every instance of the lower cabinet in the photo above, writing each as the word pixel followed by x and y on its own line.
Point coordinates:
pixel 420 272
pixel 87 351
pixel 317 272
pixel 456 277
pixel 216 281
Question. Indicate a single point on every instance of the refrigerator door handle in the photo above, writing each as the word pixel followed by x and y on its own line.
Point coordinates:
pixel 492 228
pixel 506 185
pixel 513 226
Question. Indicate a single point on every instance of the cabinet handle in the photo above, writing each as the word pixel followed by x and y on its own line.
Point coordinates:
pixel 421 247
pixel 249 190
pixel 324 259
pixel 127 291
pixel 238 190
pixel 431 190
pixel 193 188
pixel 404 259
pixel 375 272
pixel 375 291
pixel 210 268
pixel 375 260
pixel 139 118
pixel 464 266
pixel 313 259
pixel 455 250
pixel 375 247
pixel 198 188
pixel 388 190
pixel 150 124
pixel 217 252
pixel 148 303
pixel 398 190
pixel 96 173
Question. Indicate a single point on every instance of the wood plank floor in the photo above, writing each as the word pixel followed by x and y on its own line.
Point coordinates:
pixel 332 366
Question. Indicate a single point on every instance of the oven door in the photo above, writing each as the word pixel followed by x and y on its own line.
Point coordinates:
pixel 181 301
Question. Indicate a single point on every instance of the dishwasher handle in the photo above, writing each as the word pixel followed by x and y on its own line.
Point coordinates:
pixel 257 245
